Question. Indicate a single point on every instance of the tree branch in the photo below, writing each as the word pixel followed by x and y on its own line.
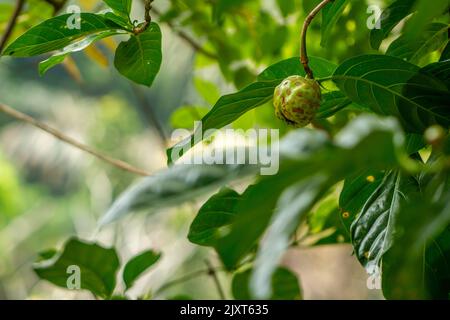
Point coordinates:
pixel 11 24
pixel 213 273
pixel 61 136
pixel 303 51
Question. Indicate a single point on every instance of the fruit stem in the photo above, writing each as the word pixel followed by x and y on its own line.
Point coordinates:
pixel 148 18
pixel 303 52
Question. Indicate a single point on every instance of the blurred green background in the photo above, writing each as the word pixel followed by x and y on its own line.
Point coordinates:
pixel 50 191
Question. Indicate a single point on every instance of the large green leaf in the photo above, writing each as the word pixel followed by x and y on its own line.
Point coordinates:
pixel 136 266
pixel 284 283
pixel 139 58
pixel 330 15
pixel 391 86
pixel 258 201
pixel 173 186
pixel 230 107
pixel 373 229
pixel 390 17
pixel 293 204
pixel 303 153
pixel 80 45
pixel 418 264
pixel 413 50
pixel 214 215
pixel 98 267
pixel 54 34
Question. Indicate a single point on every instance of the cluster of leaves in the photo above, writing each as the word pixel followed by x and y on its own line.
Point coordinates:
pixel 393 207
pixel 92 267
pixel 139 58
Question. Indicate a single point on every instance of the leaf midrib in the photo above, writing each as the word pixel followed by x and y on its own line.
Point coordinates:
pixel 391 91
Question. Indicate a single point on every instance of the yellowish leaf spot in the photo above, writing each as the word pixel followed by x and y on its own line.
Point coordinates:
pixel 370 179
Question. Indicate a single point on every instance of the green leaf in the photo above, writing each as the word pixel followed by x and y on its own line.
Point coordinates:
pixel 292 66
pixel 418 264
pixel 259 201
pixel 330 15
pixel 432 39
pixel 122 7
pixel 80 45
pixel 390 17
pixel 208 90
pixel 98 267
pixel 123 22
pixel 365 143
pixel 54 34
pixel 138 265
pixel 139 58
pixel 357 189
pixel 373 229
pixel 230 107
pixel 214 215
pixel 284 283
pixel 175 185
pixel 391 86
pixel 293 204
pixel 332 102
pixel 326 225
pixel 185 116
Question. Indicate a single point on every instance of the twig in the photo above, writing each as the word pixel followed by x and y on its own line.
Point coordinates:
pixel 148 19
pixel 11 24
pixel 182 279
pixel 212 272
pixel 61 136
pixel 303 52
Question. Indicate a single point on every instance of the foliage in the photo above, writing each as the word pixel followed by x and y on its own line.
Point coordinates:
pixel 379 108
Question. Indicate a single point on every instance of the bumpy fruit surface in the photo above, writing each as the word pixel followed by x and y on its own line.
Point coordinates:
pixel 296 100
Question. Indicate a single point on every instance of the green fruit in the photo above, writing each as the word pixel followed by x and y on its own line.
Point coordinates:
pixel 296 100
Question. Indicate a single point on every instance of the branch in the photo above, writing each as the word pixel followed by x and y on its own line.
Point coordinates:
pixel 213 273
pixel 61 136
pixel 148 19
pixel 11 24
pixel 303 52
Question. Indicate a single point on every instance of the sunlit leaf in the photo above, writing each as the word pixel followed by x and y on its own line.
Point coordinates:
pixel 139 58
